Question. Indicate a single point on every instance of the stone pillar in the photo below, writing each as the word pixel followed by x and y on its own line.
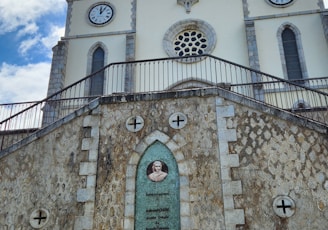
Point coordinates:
pixel 324 20
pixel 130 68
pixel 88 169
pixel 56 83
pixel 253 58
pixel 232 216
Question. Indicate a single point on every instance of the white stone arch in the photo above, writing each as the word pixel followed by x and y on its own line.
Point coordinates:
pixel 89 62
pixel 174 144
pixel 191 83
pixel 299 49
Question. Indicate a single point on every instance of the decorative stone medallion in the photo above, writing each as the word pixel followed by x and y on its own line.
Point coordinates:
pixel 134 124
pixel 284 206
pixel 39 218
pixel 178 120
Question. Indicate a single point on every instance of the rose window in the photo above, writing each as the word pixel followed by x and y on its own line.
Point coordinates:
pixel 189 43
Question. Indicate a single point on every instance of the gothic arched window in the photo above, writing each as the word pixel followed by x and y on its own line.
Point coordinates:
pixel 97 80
pixel 292 59
pixel 291 50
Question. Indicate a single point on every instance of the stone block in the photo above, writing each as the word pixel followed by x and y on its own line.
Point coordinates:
pixel 235 216
pixel 227 135
pixel 184 169
pixel 232 188
pixel 225 174
pixel 89 143
pixel 88 168
pixel 83 222
pixel 223 148
pixel 219 101
pixel 157 135
pixel 93 154
pixel 129 198
pixel 172 145
pixel 89 208
pixel 141 147
pixel 90 121
pixel 91 181
pixel 230 160
pixel 131 170
pixel 184 194
pixel 221 122
pixel 130 184
pixel 184 209
pixel 128 224
pixel 225 111
pixel 228 202
pixel 129 210
pixel 84 195
pixel 186 223
pixel 95 133
pixel 179 156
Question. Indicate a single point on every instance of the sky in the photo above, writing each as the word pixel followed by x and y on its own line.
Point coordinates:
pixel 28 31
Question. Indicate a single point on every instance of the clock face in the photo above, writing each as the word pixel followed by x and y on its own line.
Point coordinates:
pixel 281 2
pixel 100 14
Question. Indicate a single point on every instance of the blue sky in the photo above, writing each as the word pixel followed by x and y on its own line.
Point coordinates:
pixel 28 31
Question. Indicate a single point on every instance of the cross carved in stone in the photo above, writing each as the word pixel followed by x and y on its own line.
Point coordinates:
pixel 187 4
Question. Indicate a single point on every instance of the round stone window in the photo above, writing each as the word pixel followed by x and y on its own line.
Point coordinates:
pixel 188 38
pixel 190 42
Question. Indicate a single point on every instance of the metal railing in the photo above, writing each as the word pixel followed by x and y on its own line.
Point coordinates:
pixel 308 98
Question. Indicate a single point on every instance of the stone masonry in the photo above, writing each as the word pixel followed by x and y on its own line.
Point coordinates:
pixel 235 157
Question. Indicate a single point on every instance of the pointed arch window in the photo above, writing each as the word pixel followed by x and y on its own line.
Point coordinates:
pixel 292 59
pixel 97 81
pixel 292 54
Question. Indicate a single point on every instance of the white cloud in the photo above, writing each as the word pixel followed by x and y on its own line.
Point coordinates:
pixel 22 13
pixel 28 29
pixel 28 44
pixel 23 83
pixel 52 38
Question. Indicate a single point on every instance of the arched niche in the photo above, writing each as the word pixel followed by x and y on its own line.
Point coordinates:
pixel 157 189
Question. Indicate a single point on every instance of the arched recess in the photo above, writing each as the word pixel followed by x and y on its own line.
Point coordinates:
pixel 97 58
pixel 131 174
pixel 285 32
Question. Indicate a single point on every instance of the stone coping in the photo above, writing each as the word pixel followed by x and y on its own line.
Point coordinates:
pixel 154 96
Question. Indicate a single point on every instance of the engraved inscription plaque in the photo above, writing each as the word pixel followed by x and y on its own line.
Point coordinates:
pixel 157 190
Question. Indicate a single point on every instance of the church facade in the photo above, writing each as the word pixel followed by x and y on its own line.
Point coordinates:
pixel 189 149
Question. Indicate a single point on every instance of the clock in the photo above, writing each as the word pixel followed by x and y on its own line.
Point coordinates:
pixel 280 3
pixel 100 14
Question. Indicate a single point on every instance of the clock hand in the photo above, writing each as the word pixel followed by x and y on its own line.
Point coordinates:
pixel 101 10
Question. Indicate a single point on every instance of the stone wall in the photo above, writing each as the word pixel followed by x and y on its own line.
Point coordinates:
pixel 41 177
pixel 279 158
pixel 234 160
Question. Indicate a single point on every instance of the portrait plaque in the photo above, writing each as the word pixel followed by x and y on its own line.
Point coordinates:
pixel 157 190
